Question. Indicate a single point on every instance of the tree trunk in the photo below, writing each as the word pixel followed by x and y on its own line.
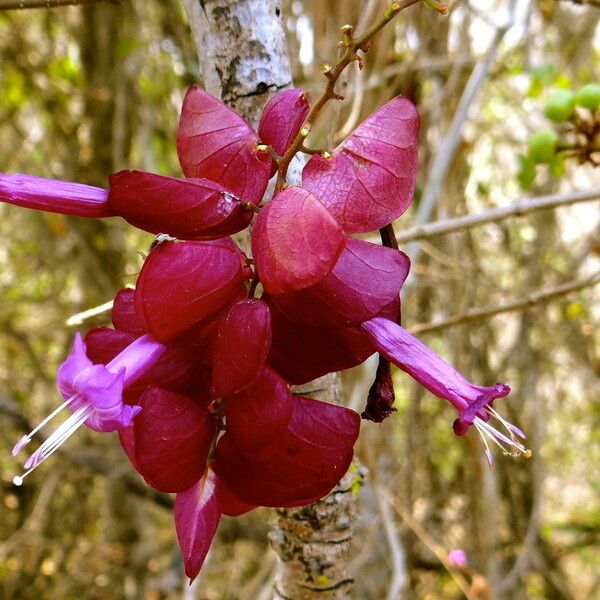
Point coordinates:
pixel 243 60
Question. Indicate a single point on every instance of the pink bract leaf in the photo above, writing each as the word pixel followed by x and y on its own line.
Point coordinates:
pixel 295 241
pixel 183 283
pixel 184 208
pixel 364 281
pixel 229 503
pixel 301 354
pixel 302 465
pixel 241 345
pixel 176 370
pixel 215 143
pixel 370 179
pixel 199 339
pixel 282 119
pixel 260 413
pixel 197 516
pixel 128 444
pixel 123 313
pixel 173 435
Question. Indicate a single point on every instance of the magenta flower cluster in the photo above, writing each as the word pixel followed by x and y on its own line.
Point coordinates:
pixel 195 375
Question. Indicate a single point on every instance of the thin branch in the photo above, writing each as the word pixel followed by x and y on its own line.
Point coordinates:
pixel 358 89
pixel 350 54
pixel 517 209
pixel 528 301
pixel 439 551
pixel 399 575
pixel 18 4
pixel 595 3
pixel 451 141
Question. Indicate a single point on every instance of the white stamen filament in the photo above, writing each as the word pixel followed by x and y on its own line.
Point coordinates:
pixel 56 439
pixel 64 431
pixel 512 429
pixel 27 438
pixel 510 446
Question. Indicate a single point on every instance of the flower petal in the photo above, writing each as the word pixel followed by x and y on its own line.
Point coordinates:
pixel 54 195
pixel 213 142
pixel 103 391
pixel 370 179
pixel 128 444
pixel 432 371
pixel 301 354
pixel 229 503
pixel 176 370
pixel 76 362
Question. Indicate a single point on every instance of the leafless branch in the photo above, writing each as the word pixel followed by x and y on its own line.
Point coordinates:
pixel 517 209
pixel 528 301
pixel 399 575
pixel 439 551
pixel 451 141
pixel 595 3
pixel 18 4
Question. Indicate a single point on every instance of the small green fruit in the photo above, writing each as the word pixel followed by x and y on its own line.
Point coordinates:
pixel 542 145
pixel 560 105
pixel 589 96
pixel 557 165
pixel 526 174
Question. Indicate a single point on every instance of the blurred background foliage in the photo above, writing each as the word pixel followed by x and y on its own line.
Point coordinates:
pixel 86 91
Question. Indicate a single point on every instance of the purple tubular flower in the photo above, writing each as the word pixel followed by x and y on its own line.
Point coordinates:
pixel 473 402
pixel 53 195
pixel 94 394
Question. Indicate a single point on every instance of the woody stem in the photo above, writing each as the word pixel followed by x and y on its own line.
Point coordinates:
pixel 349 55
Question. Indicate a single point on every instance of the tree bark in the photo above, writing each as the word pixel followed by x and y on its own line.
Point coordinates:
pixel 243 60
pixel 242 51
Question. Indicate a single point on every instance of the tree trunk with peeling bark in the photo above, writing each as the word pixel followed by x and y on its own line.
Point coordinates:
pixel 243 60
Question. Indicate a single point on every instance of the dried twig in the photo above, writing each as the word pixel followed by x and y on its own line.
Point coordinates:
pixel 399 575
pixel 528 301
pixel 595 3
pixel 19 4
pixel 350 54
pixel 439 551
pixel 517 209
pixel 450 143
